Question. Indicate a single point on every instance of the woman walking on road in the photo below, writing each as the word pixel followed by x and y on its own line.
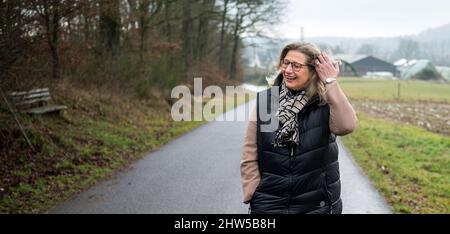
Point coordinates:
pixel 294 169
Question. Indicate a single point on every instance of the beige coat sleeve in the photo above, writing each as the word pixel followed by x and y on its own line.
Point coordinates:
pixel 343 118
pixel 249 164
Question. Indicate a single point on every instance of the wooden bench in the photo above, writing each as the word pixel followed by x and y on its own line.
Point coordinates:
pixel 35 102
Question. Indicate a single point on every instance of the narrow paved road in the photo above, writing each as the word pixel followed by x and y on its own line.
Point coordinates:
pixel 199 173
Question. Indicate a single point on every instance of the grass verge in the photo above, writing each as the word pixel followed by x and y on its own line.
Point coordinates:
pixel 403 90
pixel 407 164
pixel 98 136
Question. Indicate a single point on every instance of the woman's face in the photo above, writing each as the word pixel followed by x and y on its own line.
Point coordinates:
pixel 296 73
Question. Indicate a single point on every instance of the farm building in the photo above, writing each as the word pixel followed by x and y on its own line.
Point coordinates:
pixel 445 72
pixel 360 65
pixel 403 65
pixel 419 69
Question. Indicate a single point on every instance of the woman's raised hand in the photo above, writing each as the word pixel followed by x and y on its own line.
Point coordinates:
pixel 326 68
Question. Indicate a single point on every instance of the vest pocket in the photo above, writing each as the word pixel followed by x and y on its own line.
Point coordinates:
pixel 257 188
pixel 325 188
pixel 329 203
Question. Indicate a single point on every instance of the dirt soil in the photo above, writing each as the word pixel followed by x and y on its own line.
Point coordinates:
pixel 432 116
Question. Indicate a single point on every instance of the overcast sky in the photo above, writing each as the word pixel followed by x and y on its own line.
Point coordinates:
pixel 362 18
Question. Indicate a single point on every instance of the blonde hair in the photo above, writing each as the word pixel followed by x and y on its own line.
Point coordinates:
pixel 313 86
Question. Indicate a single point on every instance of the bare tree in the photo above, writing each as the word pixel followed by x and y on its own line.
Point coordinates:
pixel 407 48
pixel 109 34
pixel 211 30
pixel 13 30
pixel 147 11
pixel 367 49
pixel 251 17
pixel 206 15
pixel 223 28
pixel 51 12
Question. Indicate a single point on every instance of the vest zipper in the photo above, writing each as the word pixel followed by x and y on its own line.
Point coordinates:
pixel 291 157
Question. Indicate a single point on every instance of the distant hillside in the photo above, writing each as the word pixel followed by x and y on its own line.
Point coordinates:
pixel 438 34
pixel 432 44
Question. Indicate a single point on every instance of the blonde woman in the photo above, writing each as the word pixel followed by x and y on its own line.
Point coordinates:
pixel 295 169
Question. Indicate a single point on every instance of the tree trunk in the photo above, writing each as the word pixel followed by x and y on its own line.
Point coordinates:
pixel 110 26
pixel 86 22
pixel 168 26
pixel 52 26
pixel 222 33
pixel 186 32
pixel 143 26
pixel 234 52
pixel 207 6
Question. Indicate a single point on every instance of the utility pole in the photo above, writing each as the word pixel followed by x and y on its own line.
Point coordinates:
pixel 301 34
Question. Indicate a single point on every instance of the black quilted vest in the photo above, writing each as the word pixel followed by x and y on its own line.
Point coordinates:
pixel 303 179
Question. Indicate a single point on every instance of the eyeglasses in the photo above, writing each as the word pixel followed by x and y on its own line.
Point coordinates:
pixel 295 66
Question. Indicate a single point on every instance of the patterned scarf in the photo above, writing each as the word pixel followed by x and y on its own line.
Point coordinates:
pixel 290 105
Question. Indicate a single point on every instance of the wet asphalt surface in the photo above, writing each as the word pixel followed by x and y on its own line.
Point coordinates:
pixel 198 173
